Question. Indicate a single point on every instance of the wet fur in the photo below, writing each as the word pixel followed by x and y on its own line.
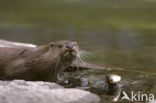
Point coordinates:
pixel 34 64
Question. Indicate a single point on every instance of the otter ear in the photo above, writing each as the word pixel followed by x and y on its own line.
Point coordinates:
pixel 51 44
pixel 74 42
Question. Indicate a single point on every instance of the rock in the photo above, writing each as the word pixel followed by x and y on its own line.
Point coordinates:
pixel 153 102
pixel 11 44
pixel 19 91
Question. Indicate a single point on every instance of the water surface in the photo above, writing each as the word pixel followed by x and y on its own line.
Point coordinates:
pixel 118 33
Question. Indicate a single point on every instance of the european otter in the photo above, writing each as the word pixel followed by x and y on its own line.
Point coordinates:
pixel 41 63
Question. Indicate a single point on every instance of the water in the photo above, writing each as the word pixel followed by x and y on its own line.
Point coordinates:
pixel 118 33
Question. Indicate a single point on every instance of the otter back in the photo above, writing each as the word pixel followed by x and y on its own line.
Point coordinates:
pixel 21 64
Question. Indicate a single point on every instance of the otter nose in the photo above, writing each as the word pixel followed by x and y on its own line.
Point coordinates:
pixel 69 46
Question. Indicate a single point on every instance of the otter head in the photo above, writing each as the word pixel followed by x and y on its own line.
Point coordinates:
pixel 65 50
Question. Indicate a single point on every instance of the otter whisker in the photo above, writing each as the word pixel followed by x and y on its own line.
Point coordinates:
pixel 52 67
pixel 81 57
pixel 85 61
pixel 55 67
pixel 86 54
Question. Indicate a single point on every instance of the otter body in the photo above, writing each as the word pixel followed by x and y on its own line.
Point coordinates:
pixel 41 63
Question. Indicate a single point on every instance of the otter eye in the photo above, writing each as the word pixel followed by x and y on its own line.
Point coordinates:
pixel 51 44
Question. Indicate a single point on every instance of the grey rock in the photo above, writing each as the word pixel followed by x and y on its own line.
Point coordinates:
pixel 153 102
pixel 11 44
pixel 19 91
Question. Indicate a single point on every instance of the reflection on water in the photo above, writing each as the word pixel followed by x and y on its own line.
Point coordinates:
pixel 117 33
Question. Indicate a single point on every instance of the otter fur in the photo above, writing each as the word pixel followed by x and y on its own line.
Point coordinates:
pixel 41 63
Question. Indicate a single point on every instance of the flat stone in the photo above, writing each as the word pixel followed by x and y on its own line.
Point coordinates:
pixel 20 91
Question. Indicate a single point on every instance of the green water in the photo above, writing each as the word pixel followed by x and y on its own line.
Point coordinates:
pixel 119 33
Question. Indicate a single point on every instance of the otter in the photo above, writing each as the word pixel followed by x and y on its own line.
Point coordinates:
pixel 41 63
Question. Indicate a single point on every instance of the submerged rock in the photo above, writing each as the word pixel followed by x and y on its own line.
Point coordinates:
pixel 19 91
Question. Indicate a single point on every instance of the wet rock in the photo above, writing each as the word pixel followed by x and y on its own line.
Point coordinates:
pixel 10 44
pixel 19 91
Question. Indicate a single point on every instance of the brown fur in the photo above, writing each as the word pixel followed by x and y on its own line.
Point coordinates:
pixel 40 63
